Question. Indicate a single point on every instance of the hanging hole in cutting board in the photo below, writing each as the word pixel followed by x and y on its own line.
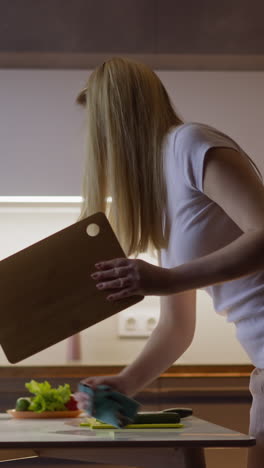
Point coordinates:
pixel 93 230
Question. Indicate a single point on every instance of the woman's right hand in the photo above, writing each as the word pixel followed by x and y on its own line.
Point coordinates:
pixel 116 382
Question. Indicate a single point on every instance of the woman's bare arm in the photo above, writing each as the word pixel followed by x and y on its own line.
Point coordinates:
pixel 169 340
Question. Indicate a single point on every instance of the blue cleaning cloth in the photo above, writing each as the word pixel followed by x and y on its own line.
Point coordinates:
pixel 106 403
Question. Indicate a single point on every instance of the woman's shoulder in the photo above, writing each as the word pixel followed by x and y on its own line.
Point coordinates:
pixel 189 132
pixel 188 129
pixel 192 127
pixel 197 132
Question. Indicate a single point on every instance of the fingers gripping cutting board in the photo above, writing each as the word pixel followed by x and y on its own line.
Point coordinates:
pixel 46 292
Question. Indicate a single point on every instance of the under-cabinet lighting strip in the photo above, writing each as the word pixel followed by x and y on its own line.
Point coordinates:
pixel 43 199
pixel 35 199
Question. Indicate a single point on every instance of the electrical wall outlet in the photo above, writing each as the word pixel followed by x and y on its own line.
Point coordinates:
pixel 137 324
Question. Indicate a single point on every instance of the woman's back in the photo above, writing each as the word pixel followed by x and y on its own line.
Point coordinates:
pixel 198 226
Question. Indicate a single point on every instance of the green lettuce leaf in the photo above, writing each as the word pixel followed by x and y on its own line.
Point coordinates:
pixel 48 398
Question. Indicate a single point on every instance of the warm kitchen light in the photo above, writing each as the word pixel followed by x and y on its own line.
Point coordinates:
pixel 35 199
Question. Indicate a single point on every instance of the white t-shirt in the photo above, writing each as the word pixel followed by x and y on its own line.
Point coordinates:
pixel 198 226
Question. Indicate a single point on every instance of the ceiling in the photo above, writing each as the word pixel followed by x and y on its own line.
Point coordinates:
pixel 166 34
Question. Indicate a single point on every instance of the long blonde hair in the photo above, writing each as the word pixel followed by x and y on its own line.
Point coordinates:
pixel 128 115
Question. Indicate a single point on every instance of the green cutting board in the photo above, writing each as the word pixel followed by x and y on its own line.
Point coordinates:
pixel 46 292
pixel 135 426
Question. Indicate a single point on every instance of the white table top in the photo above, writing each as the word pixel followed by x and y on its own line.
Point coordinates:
pixel 55 433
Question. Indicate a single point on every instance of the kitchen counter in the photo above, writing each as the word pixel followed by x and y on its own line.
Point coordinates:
pixel 218 394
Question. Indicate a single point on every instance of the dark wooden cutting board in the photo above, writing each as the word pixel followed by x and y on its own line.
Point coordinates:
pixel 46 292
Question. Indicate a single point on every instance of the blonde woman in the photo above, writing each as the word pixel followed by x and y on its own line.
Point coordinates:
pixel 189 192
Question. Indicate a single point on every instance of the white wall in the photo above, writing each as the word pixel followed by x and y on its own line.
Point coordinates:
pixel 41 129
pixel 41 153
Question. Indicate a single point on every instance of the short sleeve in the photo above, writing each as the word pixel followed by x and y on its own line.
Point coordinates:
pixel 191 146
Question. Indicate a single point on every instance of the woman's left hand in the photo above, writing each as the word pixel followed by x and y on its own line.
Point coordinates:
pixel 129 277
